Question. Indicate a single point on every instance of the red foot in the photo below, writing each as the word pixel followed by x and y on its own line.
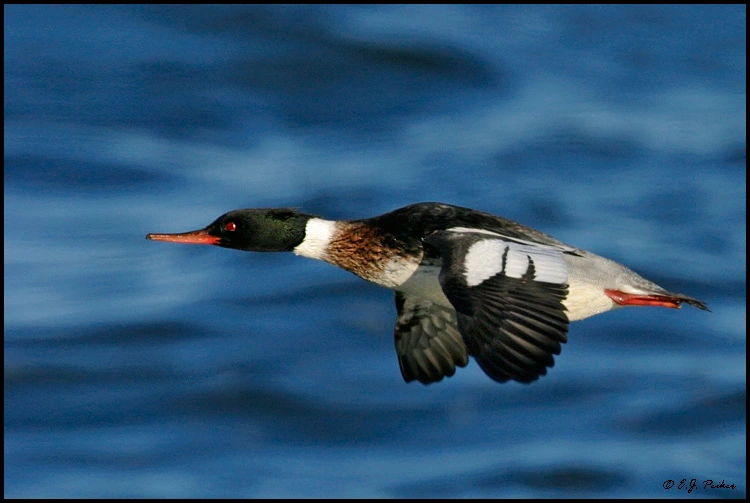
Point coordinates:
pixel 632 299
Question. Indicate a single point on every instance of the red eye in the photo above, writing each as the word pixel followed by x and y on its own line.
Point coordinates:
pixel 231 226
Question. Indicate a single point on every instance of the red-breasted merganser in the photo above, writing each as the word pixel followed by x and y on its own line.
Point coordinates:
pixel 466 282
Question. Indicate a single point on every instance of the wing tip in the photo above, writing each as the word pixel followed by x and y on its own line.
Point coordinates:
pixel 411 371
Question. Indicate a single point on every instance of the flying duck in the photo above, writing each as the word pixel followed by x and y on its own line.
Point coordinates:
pixel 466 282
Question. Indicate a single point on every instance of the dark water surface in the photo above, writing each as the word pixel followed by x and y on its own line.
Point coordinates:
pixel 138 369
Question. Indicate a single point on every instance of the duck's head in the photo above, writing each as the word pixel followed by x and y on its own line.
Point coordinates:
pixel 261 230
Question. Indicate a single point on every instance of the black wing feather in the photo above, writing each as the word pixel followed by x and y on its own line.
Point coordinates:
pixel 511 326
pixel 428 343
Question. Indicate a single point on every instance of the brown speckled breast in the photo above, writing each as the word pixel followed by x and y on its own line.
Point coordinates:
pixel 373 254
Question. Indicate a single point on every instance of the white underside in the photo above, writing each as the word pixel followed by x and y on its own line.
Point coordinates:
pixel 590 275
pixel 586 300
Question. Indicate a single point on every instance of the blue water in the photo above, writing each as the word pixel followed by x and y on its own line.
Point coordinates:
pixel 140 369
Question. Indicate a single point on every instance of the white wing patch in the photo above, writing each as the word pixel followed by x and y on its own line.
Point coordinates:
pixel 469 230
pixel 489 257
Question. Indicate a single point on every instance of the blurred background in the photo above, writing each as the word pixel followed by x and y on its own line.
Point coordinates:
pixel 139 369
